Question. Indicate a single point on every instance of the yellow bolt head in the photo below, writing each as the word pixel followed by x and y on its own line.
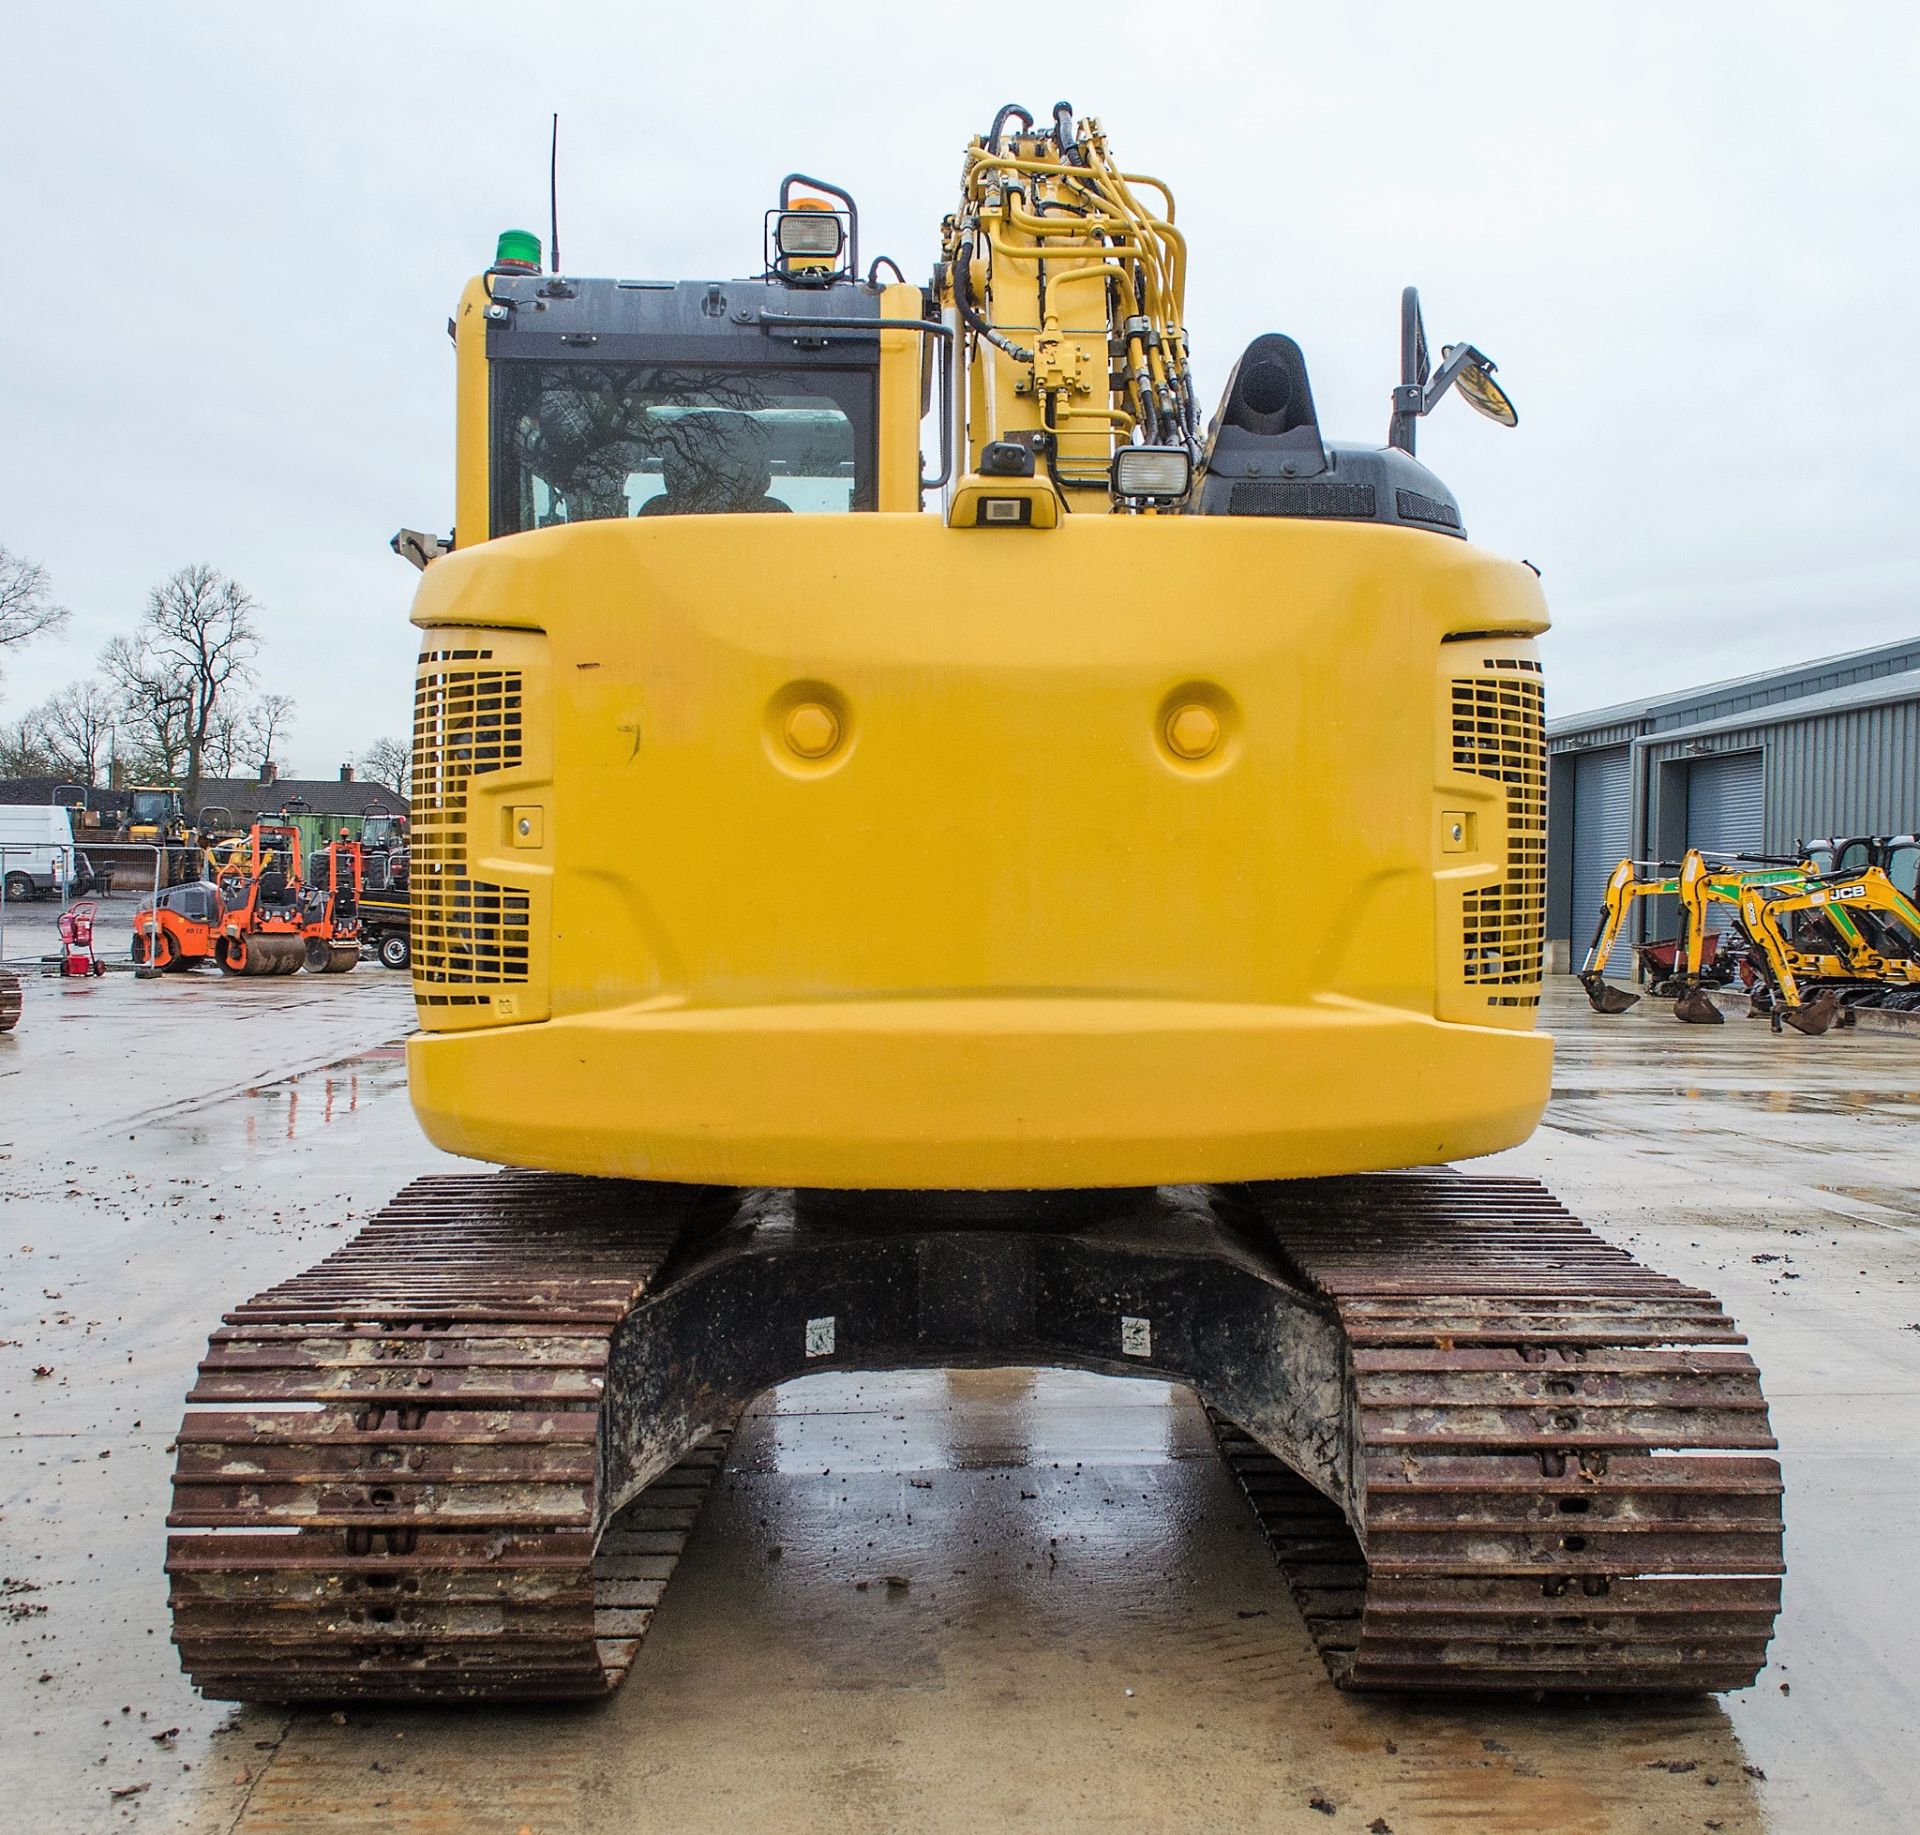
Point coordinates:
pixel 1193 730
pixel 812 730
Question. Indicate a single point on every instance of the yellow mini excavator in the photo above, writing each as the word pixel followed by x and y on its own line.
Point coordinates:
pixel 1832 942
pixel 949 996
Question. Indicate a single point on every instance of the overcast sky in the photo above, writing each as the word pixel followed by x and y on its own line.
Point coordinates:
pixel 1686 234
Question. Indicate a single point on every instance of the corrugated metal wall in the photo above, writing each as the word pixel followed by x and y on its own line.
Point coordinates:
pixel 1851 773
pixel 1602 833
pixel 1854 771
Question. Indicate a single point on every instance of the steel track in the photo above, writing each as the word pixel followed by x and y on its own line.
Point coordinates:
pixel 1558 1476
pixel 422 1411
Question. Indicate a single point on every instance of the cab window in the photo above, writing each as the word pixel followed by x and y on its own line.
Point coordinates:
pixel 1904 870
pixel 591 441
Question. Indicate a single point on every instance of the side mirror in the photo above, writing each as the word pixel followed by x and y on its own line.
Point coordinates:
pixel 1421 386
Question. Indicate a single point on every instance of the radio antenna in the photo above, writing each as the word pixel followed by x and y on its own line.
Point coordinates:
pixel 553 193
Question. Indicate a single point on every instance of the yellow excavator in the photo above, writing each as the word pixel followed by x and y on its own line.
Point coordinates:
pixel 1831 941
pixel 963 700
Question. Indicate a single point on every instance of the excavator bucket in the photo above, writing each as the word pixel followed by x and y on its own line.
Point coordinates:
pixel 1816 1016
pixel 1696 1008
pixel 1605 997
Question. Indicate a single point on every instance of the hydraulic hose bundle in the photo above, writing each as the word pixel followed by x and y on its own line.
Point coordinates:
pixel 1050 232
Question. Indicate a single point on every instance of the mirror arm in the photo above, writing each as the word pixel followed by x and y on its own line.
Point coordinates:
pixel 1454 361
pixel 1412 400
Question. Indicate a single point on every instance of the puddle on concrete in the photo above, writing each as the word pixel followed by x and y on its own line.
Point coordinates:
pixel 291 1108
pixel 1778 1101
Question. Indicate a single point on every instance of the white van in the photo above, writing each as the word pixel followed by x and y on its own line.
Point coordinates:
pixel 37 857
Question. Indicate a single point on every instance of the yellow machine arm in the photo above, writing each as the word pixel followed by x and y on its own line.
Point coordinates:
pixel 1624 885
pixel 1067 294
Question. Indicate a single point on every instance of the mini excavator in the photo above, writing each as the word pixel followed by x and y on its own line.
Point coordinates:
pixel 1847 938
pixel 1819 936
pixel 949 998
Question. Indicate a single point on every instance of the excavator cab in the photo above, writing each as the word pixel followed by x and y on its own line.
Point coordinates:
pixel 1898 856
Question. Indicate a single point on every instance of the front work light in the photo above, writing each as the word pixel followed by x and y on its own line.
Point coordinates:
pixel 803 233
pixel 1152 474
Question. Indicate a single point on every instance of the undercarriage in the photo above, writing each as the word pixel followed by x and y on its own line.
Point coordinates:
pixel 460 1457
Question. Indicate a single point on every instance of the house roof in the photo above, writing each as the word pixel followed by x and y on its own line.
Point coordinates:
pixel 61 790
pixel 247 797
pixel 323 796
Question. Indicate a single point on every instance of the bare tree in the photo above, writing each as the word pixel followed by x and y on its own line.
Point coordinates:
pixel 193 650
pixel 77 724
pixel 153 709
pixel 245 733
pixel 389 762
pixel 272 721
pixel 24 751
pixel 26 609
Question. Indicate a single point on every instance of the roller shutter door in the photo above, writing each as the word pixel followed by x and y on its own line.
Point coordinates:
pixel 1602 834
pixel 1726 810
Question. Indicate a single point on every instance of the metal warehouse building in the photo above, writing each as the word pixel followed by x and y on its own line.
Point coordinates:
pixel 1754 765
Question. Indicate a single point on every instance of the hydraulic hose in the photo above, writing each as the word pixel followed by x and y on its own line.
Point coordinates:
pixel 1002 118
pixel 962 294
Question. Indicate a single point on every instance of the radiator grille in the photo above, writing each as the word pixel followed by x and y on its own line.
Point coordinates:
pixel 1499 733
pixel 468 935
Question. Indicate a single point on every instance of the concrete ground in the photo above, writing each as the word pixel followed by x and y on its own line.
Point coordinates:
pixel 1094 1637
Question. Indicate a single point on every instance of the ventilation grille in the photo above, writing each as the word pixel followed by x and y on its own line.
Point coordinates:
pixel 1349 502
pixel 468 936
pixel 1499 733
pixel 1417 506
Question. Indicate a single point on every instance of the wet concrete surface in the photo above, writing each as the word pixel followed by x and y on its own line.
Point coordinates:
pixel 1092 1635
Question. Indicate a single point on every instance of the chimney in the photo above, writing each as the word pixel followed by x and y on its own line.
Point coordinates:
pixel 268 771
pixel 346 774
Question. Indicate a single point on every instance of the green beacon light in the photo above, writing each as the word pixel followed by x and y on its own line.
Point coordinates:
pixel 518 252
